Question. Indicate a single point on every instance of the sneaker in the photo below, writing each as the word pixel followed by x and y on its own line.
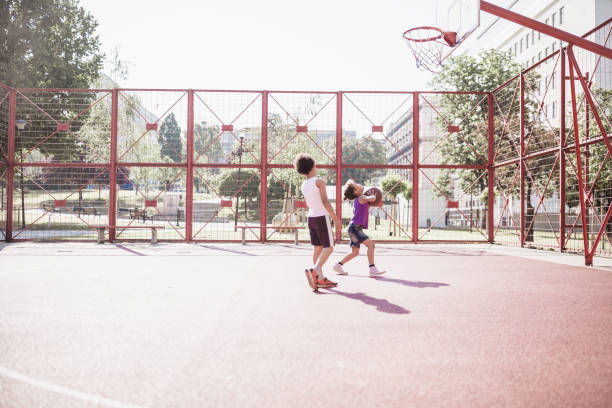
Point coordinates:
pixel 323 282
pixel 375 272
pixel 339 270
pixel 312 278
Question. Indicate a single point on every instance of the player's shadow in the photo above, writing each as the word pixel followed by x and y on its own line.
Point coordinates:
pixel 414 284
pixel 382 305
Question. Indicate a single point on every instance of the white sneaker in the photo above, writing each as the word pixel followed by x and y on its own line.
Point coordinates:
pixel 338 269
pixel 375 272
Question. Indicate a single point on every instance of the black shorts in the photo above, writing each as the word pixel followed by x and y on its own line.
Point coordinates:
pixel 321 231
pixel 356 235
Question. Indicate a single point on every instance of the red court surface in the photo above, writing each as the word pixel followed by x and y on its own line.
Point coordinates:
pixel 178 325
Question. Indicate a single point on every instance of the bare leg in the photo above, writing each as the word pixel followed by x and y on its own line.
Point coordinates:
pixel 354 253
pixel 316 254
pixel 370 244
pixel 322 259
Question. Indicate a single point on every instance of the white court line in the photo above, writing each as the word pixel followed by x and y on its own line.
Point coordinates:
pixel 96 399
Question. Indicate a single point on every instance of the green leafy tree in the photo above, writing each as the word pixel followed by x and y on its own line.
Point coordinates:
pixel 169 139
pixel 469 146
pixel 48 44
pixel 370 151
pixel 392 186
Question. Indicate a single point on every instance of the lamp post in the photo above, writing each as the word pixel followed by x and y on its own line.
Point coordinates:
pixel 20 124
pixel 238 181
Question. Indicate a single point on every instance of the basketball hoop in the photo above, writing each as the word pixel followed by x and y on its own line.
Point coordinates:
pixel 427 44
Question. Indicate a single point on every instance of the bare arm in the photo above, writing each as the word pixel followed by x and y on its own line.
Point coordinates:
pixel 366 199
pixel 321 184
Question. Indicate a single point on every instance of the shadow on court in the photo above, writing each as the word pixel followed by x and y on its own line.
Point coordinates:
pixel 382 305
pixel 411 283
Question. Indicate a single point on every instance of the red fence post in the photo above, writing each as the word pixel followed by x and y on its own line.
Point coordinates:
pixel 263 207
pixel 189 177
pixel 491 170
pixel 522 158
pixel 562 154
pixel 112 188
pixel 339 163
pixel 587 95
pixel 585 237
pixel 10 165
pixel 415 167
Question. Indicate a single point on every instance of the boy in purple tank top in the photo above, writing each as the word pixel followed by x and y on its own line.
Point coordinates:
pixel 359 222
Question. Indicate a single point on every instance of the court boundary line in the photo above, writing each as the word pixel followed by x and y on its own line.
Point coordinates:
pixel 96 399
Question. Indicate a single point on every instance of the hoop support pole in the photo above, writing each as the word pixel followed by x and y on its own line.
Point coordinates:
pixel 545 29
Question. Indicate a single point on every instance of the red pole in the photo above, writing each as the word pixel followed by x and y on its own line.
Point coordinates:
pixel 112 188
pixel 415 167
pixel 189 181
pixel 11 165
pixel 588 97
pixel 522 158
pixel 578 159
pixel 339 163
pixel 263 208
pixel 546 29
pixel 562 154
pixel 491 170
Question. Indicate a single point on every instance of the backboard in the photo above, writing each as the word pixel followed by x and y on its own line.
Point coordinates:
pixel 459 16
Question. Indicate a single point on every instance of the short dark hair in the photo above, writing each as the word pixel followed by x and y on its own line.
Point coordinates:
pixel 303 163
pixel 350 188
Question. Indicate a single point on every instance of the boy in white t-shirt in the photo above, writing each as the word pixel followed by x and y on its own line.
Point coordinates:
pixel 319 211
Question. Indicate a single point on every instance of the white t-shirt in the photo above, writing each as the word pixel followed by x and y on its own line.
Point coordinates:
pixel 312 194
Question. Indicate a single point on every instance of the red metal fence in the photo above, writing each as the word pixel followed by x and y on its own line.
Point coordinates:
pixel 208 165
pixel 553 171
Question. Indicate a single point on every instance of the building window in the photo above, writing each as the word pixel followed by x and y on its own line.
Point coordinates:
pixel 561 10
pixel 539 35
pixel 545 52
pixel 532 37
pixel 510 51
pixel 554 109
pixel 539 55
pixel 526 41
pixel 515 49
pixel 533 61
pixel 554 19
pixel 521 46
pixel 552 80
pixel 547 21
pixel 554 47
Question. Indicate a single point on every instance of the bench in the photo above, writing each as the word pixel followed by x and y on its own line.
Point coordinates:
pixel 101 228
pixel 136 213
pixel 245 227
pixel 85 210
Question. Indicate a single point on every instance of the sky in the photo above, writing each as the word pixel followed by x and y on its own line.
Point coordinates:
pixel 315 45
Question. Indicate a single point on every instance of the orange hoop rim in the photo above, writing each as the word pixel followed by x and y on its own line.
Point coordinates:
pixel 449 37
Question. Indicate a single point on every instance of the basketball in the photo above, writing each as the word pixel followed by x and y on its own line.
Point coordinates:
pixel 378 193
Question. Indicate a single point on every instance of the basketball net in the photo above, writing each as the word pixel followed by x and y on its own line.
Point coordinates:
pixel 427 45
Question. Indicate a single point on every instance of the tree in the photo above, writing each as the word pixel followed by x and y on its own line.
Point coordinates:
pixel 242 183
pixel 207 146
pixel 170 139
pixel 370 151
pixel 469 146
pixel 392 186
pixel 48 44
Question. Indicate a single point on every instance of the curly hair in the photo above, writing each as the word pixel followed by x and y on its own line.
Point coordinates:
pixel 303 163
pixel 350 188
